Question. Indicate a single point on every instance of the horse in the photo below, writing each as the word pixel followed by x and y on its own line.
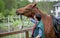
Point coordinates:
pixel 30 10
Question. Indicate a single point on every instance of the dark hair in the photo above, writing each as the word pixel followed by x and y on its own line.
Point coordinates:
pixel 38 16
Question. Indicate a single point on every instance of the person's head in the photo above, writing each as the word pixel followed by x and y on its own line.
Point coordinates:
pixel 37 17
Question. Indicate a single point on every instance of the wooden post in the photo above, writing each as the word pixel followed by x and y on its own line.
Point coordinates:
pixel 27 34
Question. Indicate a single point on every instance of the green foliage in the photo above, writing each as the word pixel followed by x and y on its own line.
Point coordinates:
pixel 46 6
pixel 22 3
pixel 2 5
pixel 17 22
pixel 6 12
pixel 1 15
pixel 3 26
pixel 12 12
pixel 9 4
pixel 8 7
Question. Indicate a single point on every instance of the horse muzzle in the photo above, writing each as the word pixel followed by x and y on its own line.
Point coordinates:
pixel 17 13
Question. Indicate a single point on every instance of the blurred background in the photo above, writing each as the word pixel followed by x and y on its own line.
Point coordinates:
pixel 9 21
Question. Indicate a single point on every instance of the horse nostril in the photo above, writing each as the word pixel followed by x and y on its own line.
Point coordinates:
pixel 17 13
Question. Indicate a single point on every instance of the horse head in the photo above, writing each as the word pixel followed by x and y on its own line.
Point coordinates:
pixel 27 10
pixel 30 10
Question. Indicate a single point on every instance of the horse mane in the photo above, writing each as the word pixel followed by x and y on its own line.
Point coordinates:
pixel 48 24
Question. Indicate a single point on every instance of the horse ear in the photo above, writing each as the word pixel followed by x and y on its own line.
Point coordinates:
pixel 34 4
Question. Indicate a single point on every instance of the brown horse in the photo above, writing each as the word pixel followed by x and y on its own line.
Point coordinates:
pixel 30 10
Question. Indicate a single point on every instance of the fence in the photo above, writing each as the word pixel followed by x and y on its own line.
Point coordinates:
pixel 14 26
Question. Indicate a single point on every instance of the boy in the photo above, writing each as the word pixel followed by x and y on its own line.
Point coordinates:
pixel 38 31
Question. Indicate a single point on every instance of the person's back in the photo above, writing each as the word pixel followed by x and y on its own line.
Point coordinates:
pixel 39 30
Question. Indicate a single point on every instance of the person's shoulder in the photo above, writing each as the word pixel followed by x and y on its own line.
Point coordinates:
pixel 40 23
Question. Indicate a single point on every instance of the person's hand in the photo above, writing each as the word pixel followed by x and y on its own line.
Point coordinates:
pixel 32 36
pixel 38 36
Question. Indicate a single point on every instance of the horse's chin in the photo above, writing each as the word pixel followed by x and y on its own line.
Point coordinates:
pixel 20 13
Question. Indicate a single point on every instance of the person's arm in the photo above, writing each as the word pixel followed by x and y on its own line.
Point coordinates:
pixel 32 20
pixel 40 34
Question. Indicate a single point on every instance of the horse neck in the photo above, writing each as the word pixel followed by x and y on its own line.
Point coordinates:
pixel 40 12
